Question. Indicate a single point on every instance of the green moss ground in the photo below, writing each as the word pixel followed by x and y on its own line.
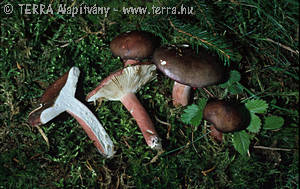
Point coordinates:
pixel 260 37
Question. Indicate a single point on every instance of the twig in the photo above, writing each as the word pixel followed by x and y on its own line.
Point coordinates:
pixel 154 159
pixel 204 15
pixel 35 156
pixel 193 144
pixel 126 142
pixel 283 46
pixel 88 165
pixel 44 136
pixel 185 146
pixel 99 101
pixel 164 123
pixel 197 38
pixel 107 178
pixel 76 41
pixel 209 93
pixel 207 171
pixel 88 32
pixel 123 182
pixel 270 148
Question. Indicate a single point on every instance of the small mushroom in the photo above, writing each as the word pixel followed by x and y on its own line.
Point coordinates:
pixel 121 86
pixel 60 97
pixel 133 46
pixel 188 70
pixel 224 116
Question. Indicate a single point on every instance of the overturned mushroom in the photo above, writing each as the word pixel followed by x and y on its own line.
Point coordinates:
pixel 60 97
pixel 188 70
pixel 224 116
pixel 133 46
pixel 121 86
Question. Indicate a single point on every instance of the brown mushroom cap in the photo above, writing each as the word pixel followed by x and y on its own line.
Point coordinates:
pixel 133 45
pixel 188 68
pixel 52 92
pixel 224 116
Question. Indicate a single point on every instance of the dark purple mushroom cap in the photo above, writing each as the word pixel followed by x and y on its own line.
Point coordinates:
pixel 135 45
pixel 52 92
pixel 187 68
pixel 225 116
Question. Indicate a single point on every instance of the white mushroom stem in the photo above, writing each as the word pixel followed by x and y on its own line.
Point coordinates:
pixel 85 118
pixel 92 127
pixel 180 94
pixel 66 101
pixel 143 120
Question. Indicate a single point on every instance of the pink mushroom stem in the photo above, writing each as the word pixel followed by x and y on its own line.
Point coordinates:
pixel 180 94
pixel 217 135
pixel 143 120
pixel 121 86
pixel 89 123
pixel 130 62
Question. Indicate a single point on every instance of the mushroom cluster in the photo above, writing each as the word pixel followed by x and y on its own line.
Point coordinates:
pixel 187 70
pixel 133 48
pixel 181 64
pixel 141 55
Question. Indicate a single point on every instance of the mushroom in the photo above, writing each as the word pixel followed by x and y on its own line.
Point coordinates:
pixel 215 134
pixel 224 116
pixel 188 70
pixel 60 97
pixel 121 86
pixel 133 46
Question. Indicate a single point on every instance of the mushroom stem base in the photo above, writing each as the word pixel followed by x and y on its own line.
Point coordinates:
pixel 143 120
pixel 216 135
